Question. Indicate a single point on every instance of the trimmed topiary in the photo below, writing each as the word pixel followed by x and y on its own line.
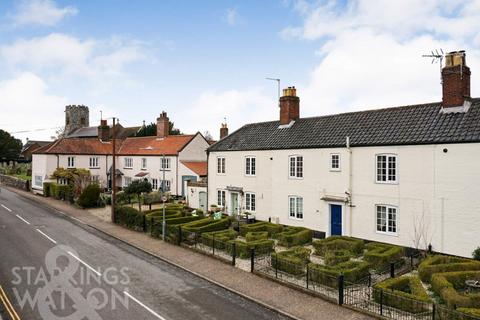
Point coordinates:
pixel 129 217
pixel 294 236
pixel 450 286
pixel 405 293
pixel 271 228
pixel 259 235
pixel 292 261
pixel 206 225
pixel 90 196
pixel 47 189
pixel 470 311
pixel 243 249
pixel 220 238
pixel 332 258
pixel 353 271
pixel 335 243
pixel 438 263
pixel 380 255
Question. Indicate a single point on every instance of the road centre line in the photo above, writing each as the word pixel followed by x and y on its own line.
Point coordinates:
pixel 85 264
pixel 144 306
pixel 19 217
pixel 5 207
pixel 46 236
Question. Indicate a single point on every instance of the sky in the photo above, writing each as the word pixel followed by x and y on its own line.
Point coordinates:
pixel 204 61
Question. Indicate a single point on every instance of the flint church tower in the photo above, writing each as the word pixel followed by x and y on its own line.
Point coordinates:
pixel 76 117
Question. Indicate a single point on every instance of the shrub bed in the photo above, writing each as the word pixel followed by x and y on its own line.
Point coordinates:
pixel 292 261
pixel 332 258
pixel 271 228
pixel 294 236
pixel 206 225
pixel 438 263
pixel 90 196
pixel 259 235
pixel 470 311
pixel 242 248
pixel 328 276
pixel 450 286
pixel 405 293
pixel 155 217
pixel 379 255
pixel 335 243
pixel 172 223
pixel 47 189
pixel 61 191
pixel 129 217
pixel 221 238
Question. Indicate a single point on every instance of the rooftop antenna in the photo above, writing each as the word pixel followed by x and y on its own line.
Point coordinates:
pixel 101 115
pixel 437 57
pixel 225 120
pixel 278 85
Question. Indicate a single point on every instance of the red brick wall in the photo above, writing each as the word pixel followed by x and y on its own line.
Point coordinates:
pixel 456 85
pixel 289 109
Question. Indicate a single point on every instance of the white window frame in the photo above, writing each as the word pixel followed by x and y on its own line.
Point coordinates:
pixel 332 162
pixel 165 165
pixel 93 162
pixel 388 167
pixel 293 167
pixel 95 178
pixel 38 180
pixel 221 165
pixel 165 183
pixel 128 162
pixel 250 205
pixel 154 183
pixel 70 162
pixel 295 214
pixel 388 221
pixel 125 179
pixel 143 163
pixel 250 166
pixel 221 198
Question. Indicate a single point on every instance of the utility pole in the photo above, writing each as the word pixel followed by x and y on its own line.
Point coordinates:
pixel 164 198
pixel 113 174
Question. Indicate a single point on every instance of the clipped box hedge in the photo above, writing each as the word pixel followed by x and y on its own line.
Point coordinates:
pixel 450 287
pixel 157 217
pixel 332 258
pixel 219 238
pixel 294 236
pixel 335 243
pixel 254 236
pixel 438 264
pixel 405 293
pixel 292 261
pixel 474 312
pixel 171 222
pixel 243 248
pixel 206 225
pixel 353 271
pixel 129 217
pixel 380 255
pixel 271 228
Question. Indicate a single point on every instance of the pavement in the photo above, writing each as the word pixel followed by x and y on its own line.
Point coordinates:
pixel 194 285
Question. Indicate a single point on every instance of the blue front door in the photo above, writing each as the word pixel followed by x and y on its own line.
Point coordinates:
pixel 336 220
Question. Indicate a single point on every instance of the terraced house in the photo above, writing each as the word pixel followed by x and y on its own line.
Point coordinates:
pixel 164 160
pixel 404 175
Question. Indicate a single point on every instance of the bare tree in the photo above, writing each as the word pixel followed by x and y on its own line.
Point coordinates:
pixel 422 235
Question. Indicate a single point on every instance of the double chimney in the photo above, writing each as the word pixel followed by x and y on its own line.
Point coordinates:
pixel 163 125
pixel 455 80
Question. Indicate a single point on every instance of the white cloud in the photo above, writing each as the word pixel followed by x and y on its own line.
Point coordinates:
pixel 27 105
pixel 231 17
pixel 41 12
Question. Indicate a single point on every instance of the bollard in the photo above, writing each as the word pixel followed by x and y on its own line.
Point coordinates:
pixel 340 289
pixel 252 259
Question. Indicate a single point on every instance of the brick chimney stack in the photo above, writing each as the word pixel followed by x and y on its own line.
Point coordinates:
pixel 455 80
pixel 223 131
pixel 163 125
pixel 289 106
pixel 103 131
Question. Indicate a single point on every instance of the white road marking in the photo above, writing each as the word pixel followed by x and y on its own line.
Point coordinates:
pixel 146 308
pixel 85 264
pixel 22 219
pixel 46 236
pixel 6 208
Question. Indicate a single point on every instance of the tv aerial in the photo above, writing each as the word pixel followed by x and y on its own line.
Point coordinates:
pixel 437 57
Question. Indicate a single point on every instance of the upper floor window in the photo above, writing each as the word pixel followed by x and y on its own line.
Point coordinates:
pixel 128 163
pixel 221 198
pixel 165 163
pixel 93 162
pixel 335 162
pixel 71 162
pixel 144 163
pixel 295 207
pixel 250 166
pixel 250 201
pixel 386 168
pixel 221 165
pixel 386 219
pixel 296 166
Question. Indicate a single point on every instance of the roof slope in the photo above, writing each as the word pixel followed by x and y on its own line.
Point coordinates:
pixel 199 167
pixel 416 124
pixel 91 132
pixel 78 146
pixel 153 145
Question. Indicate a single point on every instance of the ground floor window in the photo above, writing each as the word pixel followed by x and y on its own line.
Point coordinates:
pixel 221 198
pixel 154 184
pixel 295 207
pixel 250 201
pixel 39 181
pixel 386 218
pixel 127 181
pixel 165 184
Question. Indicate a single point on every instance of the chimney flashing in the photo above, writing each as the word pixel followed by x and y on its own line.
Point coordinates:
pixel 459 109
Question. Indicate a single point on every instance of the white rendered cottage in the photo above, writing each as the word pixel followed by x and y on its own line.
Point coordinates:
pixel 404 175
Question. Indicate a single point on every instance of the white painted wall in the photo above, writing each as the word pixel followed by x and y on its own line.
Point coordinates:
pixel 441 186
pixel 195 150
pixel 193 196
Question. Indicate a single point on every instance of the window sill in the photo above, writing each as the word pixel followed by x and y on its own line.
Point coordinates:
pixel 144 169
pixel 386 182
pixel 93 167
pixel 250 175
pixel 128 168
pixel 298 219
pixel 295 178
pixel 335 170
pixel 391 234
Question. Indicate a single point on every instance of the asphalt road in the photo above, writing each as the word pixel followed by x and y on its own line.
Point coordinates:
pixel 54 268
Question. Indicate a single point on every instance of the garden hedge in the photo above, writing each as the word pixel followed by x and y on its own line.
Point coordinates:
pixel 172 223
pixel 353 271
pixel 380 255
pixel 129 217
pixel 155 217
pixel 405 293
pixel 438 263
pixel 61 191
pixel 206 225
pixel 450 287
pixel 292 261
pixel 335 243
pixel 259 235
pixel 294 236
pixel 243 248
pixel 47 189
pixel 221 238
pixel 271 228
pixel 332 258
pixel 475 312
pixel 90 196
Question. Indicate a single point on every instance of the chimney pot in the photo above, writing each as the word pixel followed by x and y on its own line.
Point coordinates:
pixel 455 80
pixel 163 125
pixel 223 131
pixel 289 106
